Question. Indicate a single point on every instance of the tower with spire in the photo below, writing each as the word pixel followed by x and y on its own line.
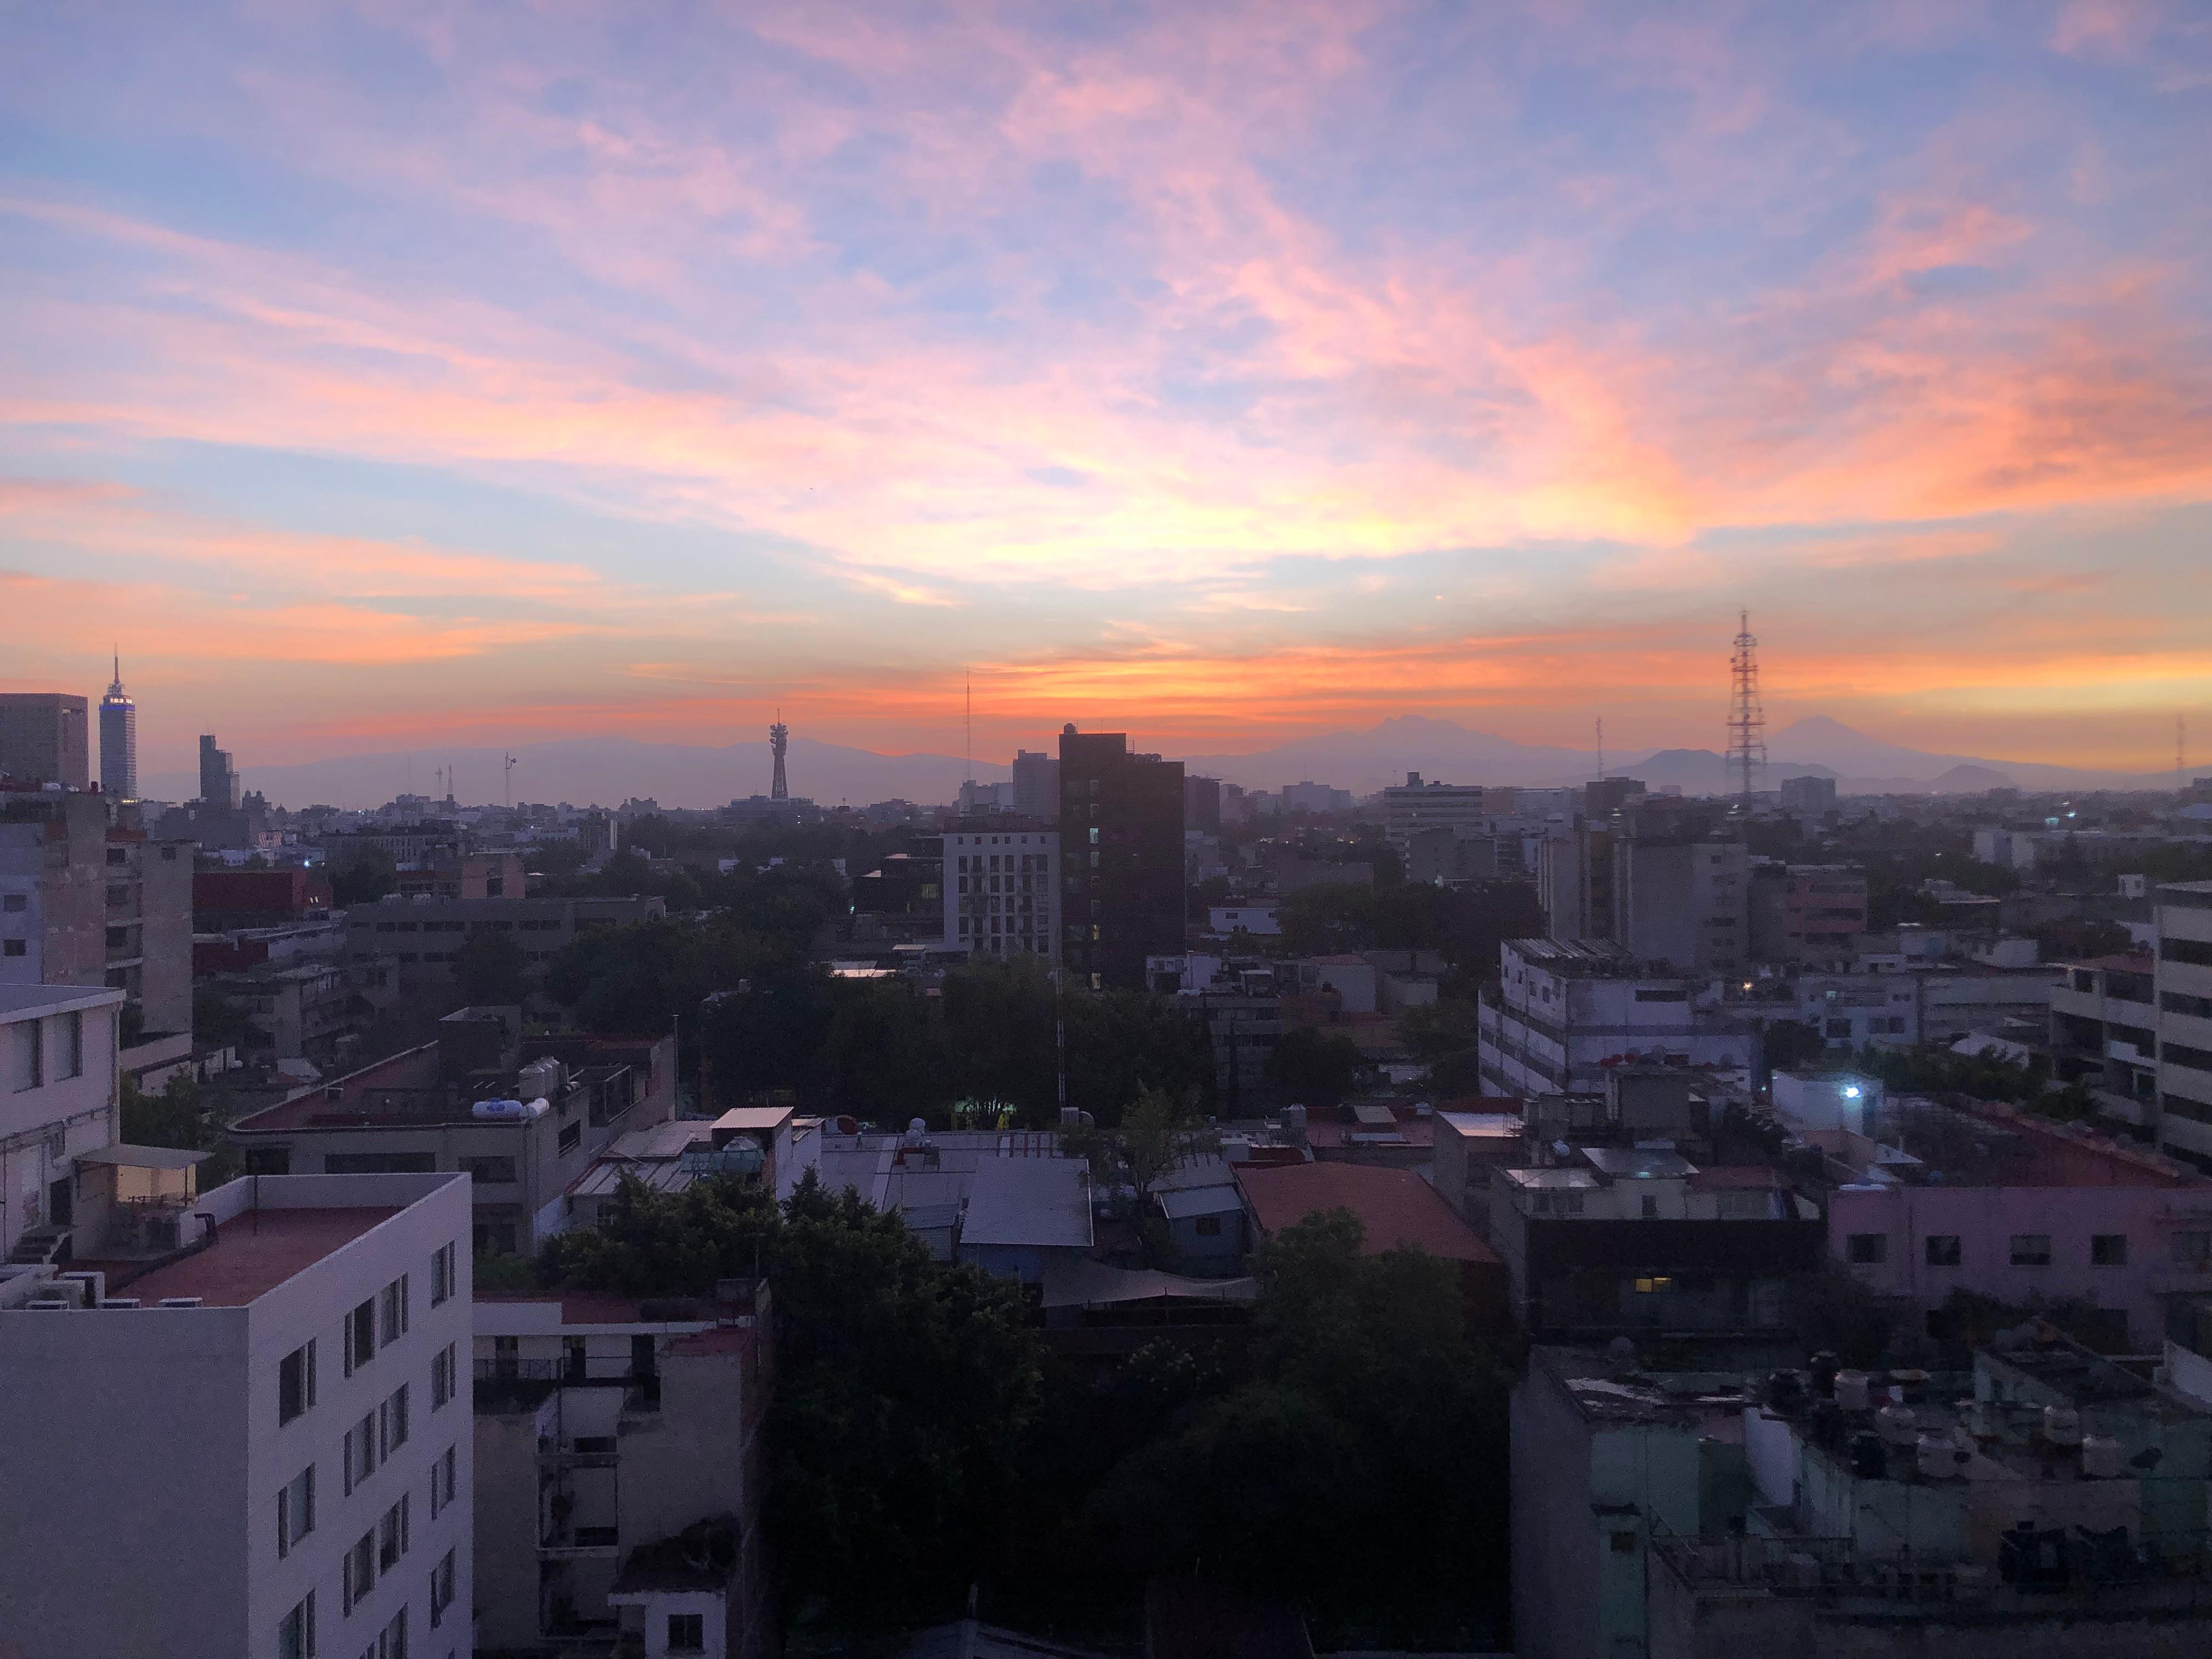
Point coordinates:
pixel 779 739
pixel 119 739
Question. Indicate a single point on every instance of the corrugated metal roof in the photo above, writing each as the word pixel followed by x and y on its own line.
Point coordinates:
pixel 1029 1201
pixel 1200 1201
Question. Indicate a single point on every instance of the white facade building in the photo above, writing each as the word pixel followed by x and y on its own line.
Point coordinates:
pixel 1002 892
pixel 57 1101
pixel 1567 1011
pixel 261 1447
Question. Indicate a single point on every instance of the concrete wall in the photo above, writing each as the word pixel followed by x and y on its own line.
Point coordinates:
pixel 81 1109
pixel 150 1437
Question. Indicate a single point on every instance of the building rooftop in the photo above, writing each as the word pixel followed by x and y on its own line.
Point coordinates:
pixel 1484 1125
pixel 1639 1163
pixel 1396 1207
pixel 20 1001
pixel 1043 1202
pixel 1962 1143
pixel 252 1254
pixel 1736 1175
pixel 1553 1180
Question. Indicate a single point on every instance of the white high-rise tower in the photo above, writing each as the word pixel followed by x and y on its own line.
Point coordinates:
pixel 119 739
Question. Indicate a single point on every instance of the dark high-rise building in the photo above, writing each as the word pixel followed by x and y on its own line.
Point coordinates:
pixel 43 739
pixel 218 777
pixel 119 739
pixel 1037 787
pixel 1121 838
pixel 1201 805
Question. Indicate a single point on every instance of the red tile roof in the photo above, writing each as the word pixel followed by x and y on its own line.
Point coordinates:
pixel 252 1255
pixel 1396 1207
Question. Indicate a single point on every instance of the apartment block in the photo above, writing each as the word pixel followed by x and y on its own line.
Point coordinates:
pixel 1686 903
pixel 1001 891
pixel 1120 836
pixel 258 1448
pixel 2185 1019
pixel 618 1474
pixel 147 940
pixel 1810 914
pixel 409 943
pixel 1566 1011
pixel 57 1107
pixel 1416 805
pixel 44 738
pixel 522 1117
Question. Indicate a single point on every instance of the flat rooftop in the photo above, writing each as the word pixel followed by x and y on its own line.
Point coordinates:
pixel 252 1255
pixel 16 1000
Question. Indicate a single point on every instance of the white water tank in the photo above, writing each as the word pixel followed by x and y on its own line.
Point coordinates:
pixel 2062 1425
pixel 1851 1391
pixel 2100 1458
pixel 1897 1424
pixel 1936 1456
pixel 498 1109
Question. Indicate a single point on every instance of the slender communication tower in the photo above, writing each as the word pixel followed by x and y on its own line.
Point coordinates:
pixel 1600 751
pixel 1747 719
pixel 506 766
pixel 779 739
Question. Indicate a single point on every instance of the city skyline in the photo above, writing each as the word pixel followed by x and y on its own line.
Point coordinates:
pixel 1230 378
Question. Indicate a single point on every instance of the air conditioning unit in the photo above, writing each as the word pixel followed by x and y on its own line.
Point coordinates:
pixel 118 1302
pixel 47 1303
pixel 181 1302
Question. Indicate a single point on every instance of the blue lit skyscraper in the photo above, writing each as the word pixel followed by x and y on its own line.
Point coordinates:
pixel 118 741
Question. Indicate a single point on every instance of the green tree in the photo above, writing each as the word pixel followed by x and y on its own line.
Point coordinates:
pixel 221 1022
pixel 904 1386
pixel 1790 1044
pixel 367 876
pixel 1313 1067
pixel 1155 1133
pixel 491 969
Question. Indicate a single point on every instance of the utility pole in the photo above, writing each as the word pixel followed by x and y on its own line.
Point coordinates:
pixel 1747 717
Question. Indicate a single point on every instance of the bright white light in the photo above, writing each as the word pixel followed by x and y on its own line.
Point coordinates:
pixel 1851 1092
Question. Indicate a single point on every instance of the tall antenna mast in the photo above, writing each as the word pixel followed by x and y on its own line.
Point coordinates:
pixel 779 738
pixel 1746 717
pixel 1600 750
pixel 2181 752
pixel 968 749
pixel 507 767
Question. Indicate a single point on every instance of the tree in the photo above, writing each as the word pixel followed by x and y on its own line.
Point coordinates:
pixel 1314 1068
pixel 1157 1132
pixel 490 970
pixel 1791 1043
pixel 221 1022
pixel 903 1386
pixel 365 876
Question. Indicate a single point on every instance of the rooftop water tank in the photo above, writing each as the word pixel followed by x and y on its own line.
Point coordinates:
pixel 1897 1424
pixel 2062 1425
pixel 1852 1393
pixel 498 1109
pixel 2100 1458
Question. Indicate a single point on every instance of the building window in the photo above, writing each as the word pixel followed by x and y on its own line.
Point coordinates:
pixel 2193 1250
pixel 1648 1210
pixel 29 1050
pixel 2108 1249
pixel 391 1640
pixel 360 1336
pixel 1624 1543
pixel 295 1382
pixel 687 1633
pixel 572 1136
pixel 392 1322
pixel 441 1377
pixel 296 1632
pixel 71 1029
pixel 1659 1285
pixel 2031 1250
pixel 441 1273
pixel 296 1511
pixel 360 1452
pixel 442 1589
pixel 1209 1226
pixel 392 1536
pixel 442 1483
pixel 1867 1249
pixel 15 947
pixel 359 1572
pixel 14 904
pixel 1943 1251
pixel 488 1170
pixel 391 1424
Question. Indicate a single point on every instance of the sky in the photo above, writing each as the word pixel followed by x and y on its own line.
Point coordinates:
pixel 385 375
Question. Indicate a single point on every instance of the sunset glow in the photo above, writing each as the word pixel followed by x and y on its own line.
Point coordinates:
pixel 392 374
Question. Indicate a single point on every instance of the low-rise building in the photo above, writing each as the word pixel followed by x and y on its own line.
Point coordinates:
pixel 403 944
pixel 58 1045
pixel 619 1473
pixel 2050 1503
pixel 1395 1208
pixel 1931 1199
pixel 1566 1011
pixel 522 1117
pixel 259 1446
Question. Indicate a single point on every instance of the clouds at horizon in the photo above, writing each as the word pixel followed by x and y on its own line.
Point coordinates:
pixel 393 371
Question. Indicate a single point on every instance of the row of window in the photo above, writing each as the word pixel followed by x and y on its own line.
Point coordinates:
pixel 1027 863
pixel 1949 1250
pixel 376 1323
pixel 377 1552
pixel 32 1058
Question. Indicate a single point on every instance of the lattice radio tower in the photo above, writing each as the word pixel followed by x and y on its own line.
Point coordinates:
pixel 779 739
pixel 1746 717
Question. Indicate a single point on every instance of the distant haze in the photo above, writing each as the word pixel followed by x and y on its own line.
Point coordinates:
pixel 609 770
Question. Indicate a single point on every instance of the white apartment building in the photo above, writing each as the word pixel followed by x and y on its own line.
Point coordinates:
pixel 1002 892
pixel 57 1103
pixel 258 1450
pixel 1565 1012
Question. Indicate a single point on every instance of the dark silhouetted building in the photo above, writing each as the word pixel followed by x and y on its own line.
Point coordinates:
pixel 218 777
pixel 43 739
pixel 1201 805
pixel 1121 838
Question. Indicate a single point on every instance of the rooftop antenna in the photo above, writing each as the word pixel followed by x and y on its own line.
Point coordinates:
pixel 507 767
pixel 968 744
pixel 1600 749
pixel 779 737
pixel 2181 752
pixel 1746 717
